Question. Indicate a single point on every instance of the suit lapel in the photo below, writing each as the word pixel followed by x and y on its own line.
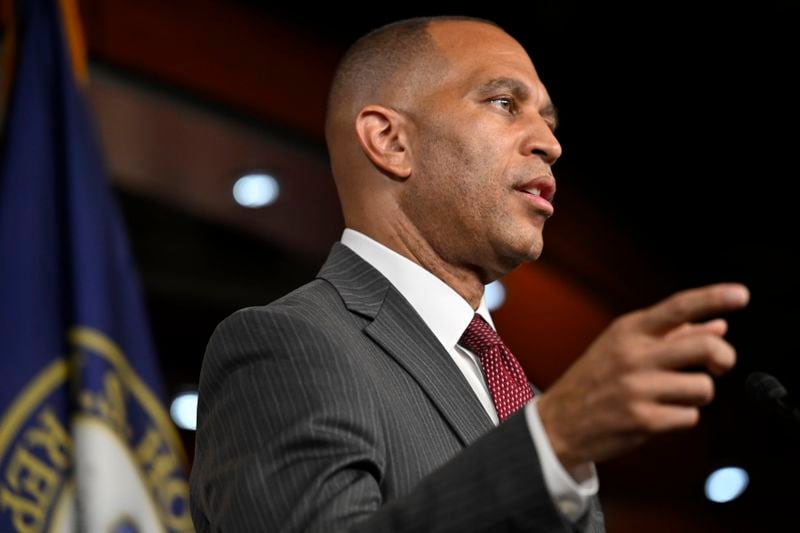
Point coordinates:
pixel 400 331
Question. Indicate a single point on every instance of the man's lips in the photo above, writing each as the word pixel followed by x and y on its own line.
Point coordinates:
pixel 539 192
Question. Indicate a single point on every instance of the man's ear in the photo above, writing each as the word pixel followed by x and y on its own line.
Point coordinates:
pixel 383 136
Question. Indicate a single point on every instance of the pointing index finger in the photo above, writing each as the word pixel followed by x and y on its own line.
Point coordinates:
pixel 693 305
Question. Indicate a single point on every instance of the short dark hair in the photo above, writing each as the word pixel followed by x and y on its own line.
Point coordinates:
pixel 379 57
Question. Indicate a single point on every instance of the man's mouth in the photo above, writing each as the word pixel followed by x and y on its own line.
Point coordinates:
pixel 540 192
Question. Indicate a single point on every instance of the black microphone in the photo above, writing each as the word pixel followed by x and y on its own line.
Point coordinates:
pixel 773 398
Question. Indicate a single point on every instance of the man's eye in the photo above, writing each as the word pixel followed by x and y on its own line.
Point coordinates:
pixel 504 102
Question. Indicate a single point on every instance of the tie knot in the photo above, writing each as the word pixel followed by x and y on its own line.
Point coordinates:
pixel 504 376
pixel 479 336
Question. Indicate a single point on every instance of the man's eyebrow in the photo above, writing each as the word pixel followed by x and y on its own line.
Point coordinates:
pixel 512 85
pixel 520 91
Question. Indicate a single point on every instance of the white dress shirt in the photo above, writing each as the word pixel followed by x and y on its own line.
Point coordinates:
pixel 447 315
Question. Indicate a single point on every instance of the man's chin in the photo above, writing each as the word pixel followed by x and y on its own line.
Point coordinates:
pixel 531 249
pixel 533 254
pixel 519 256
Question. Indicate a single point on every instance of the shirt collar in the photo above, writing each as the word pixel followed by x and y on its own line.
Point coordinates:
pixel 445 312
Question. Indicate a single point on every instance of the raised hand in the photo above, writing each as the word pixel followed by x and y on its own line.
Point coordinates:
pixel 633 381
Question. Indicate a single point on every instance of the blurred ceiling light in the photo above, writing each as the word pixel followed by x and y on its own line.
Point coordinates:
pixel 726 484
pixel 184 410
pixel 256 189
pixel 495 295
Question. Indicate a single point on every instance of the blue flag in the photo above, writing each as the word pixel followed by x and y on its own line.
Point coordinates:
pixel 85 443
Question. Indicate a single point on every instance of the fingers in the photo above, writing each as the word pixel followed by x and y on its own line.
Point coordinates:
pixel 693 305
pixel 630 384
pixel 705 350
pixel 680 388
pixel 718 327
pixel 657 418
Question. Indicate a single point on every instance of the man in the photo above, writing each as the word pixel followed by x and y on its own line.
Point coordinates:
pixel 378 397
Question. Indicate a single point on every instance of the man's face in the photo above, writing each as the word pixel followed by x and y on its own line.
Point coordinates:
pixel 483 145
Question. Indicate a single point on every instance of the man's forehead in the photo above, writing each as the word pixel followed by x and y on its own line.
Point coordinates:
pixel 477 53
pixel 458 39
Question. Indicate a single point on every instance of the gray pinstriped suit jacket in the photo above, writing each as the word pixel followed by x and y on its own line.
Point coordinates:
pixel 335 408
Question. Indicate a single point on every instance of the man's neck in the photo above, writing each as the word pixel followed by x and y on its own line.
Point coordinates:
pixel 405 239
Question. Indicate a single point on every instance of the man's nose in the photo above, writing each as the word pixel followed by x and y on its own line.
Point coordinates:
pixel 542 141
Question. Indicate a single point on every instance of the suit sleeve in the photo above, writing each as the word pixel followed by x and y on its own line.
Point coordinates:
pixel 289 440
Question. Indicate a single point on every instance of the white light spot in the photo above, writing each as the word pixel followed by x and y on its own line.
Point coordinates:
pixel 184 410
pixel 726 484
pixel 255 190
pixel 495 295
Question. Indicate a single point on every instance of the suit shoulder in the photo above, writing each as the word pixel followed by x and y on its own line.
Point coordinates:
pixel 310 322
pixel 315 303
pixel 309 330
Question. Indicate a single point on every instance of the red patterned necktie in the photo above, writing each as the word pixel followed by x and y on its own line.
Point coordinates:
pixel 503 373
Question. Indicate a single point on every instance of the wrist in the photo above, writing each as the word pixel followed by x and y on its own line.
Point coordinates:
pixel 552 427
